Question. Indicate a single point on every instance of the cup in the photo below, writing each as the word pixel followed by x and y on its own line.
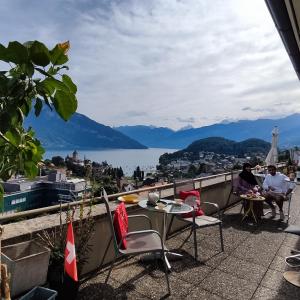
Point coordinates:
pixel 153 198
pixel 178 201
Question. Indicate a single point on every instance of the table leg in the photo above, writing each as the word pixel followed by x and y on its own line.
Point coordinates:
pixel 167 252
pixel 250 212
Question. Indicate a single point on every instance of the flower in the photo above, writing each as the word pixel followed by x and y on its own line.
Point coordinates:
pixel 64 46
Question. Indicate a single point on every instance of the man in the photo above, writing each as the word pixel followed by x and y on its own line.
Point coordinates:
pixel 276 189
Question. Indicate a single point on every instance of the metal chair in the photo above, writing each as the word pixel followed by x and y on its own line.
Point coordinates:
pixel 293 260
pixel 233 190
pixel 138 242
pixel 197 221
pixel 289 200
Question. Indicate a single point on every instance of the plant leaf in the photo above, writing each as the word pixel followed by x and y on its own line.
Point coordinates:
pixel 38 106
pixel 69 83
pixel 57 56
pixel 16 53
pixel 3 53
pixel 65 104
pixel 39 54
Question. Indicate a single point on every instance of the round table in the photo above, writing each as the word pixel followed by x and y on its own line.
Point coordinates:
pixel 171 207
pixel 250 211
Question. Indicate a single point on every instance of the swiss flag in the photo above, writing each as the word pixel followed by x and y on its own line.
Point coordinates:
pixel 70 255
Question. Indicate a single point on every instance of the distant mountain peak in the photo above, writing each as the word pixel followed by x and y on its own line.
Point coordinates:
pixel 234 130
pixel 80 132
pixel 189 126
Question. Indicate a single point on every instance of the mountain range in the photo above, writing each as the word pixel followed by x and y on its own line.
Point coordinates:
pixel 162 137
pixel 79 132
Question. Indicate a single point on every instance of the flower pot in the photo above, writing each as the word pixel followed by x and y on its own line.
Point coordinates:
pixel 39 293
pixel 27 263
pixel 64 285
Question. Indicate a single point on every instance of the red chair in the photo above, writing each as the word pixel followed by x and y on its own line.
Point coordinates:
pixel 132 243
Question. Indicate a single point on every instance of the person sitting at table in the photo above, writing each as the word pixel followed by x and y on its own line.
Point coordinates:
pixel 276 188
pixel 247 184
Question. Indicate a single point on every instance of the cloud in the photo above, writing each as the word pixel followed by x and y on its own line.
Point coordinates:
pixel 134 114
pixel 146 61
pixel 263 109
pixel 186 120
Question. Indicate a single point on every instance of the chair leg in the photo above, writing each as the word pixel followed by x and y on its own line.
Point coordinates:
pixel 169 227
pixel 110 269
pixel 221 237
pixel 187 237
pixel 288 214
pixel 166 271
pixel 195 241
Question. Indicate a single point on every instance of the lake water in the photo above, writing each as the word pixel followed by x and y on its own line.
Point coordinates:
pixel 128 159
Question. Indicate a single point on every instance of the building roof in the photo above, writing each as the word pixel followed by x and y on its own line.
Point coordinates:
pixel 286 16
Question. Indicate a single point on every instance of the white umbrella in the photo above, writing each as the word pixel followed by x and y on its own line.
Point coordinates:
pixel 272 157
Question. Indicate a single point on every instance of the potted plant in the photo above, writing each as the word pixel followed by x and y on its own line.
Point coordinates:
pixel 55 240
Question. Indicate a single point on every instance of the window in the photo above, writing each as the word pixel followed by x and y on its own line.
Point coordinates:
pixel 19 200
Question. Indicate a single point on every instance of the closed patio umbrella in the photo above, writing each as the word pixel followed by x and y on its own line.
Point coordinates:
pixel 272 157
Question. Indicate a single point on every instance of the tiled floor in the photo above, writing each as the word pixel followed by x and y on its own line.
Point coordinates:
pixel 250 268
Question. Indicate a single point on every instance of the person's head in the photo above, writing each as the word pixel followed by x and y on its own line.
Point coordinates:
pixel 272 170
pixel 247 167
pixel 292 176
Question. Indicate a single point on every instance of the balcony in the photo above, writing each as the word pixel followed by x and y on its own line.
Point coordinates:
pixel 250 268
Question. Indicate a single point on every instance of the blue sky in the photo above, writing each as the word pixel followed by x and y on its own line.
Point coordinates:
pixel 164 62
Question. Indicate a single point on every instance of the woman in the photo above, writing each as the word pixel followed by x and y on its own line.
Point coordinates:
pixel 247 184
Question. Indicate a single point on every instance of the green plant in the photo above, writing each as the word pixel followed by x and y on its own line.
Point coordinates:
pixel 83 226
pixel 35 77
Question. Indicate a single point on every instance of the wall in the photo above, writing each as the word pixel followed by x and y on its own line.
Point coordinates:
pixel 214 190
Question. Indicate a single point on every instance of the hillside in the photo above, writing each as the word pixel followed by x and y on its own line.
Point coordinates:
pixel 219 145
pixel 79 132
pixel 237 131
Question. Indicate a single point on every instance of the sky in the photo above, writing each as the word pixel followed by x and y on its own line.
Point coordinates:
pixel 164 62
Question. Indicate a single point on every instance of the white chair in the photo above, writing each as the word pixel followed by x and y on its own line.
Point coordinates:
pixel 199 221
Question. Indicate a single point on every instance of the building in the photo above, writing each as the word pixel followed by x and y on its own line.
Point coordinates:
pixel 23 194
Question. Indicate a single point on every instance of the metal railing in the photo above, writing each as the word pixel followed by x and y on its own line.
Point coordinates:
pixel 199 182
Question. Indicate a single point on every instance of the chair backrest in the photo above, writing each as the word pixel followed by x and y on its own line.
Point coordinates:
pixel 183 186
pixel 110 219
pixel 234 181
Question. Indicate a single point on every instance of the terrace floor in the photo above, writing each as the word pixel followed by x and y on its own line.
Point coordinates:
pixel 250 268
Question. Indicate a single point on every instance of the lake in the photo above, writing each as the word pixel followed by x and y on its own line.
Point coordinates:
pixel 128 159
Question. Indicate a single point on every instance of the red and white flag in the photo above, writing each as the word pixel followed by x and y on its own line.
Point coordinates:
pixel 70 255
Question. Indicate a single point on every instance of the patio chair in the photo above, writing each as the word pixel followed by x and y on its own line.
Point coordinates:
pixel 137 242
pixel 293 260
pixel 233 190
pixel 196 221
pixel 289 200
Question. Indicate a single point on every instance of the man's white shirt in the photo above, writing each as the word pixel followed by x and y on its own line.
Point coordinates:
pixel 279 182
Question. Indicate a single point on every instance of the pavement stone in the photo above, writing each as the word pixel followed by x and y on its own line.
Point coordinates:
pixel 228 286
pixel 274 280
pixel 243 269
pixel 263 293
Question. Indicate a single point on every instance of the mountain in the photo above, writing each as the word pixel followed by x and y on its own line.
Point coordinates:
pixel 219 145
pixel 147 135
pixel 237 131
pixel 79 132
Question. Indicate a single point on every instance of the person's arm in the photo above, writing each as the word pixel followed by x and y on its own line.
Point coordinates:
pixel 242 186
pixel 266 183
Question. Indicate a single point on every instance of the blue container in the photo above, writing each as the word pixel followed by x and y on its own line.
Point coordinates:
pixel 40 293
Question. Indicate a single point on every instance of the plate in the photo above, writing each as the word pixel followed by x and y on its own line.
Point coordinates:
pixel 162 208
pixel 129 199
